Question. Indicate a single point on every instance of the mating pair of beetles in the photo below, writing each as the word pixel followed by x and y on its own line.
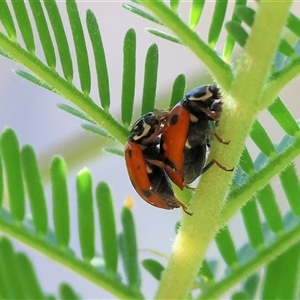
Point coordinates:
pixel 173 144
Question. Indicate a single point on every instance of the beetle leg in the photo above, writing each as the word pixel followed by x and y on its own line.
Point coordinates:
pixel 161 128
pixel 211 132
pixel 150 138
pixel 161 164
pixel 211 113
pixel 213 161
pixel 183 206
pixel 223 167
pixel 189 187
pixel 214 115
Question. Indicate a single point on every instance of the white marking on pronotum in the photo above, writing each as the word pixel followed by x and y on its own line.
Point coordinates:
pixel 147 127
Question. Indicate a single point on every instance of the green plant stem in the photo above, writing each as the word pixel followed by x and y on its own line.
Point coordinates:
pixel 278 81
pixel 219 69
pixel 240 107
pixel 82 268
pixel 255 67
pixel 64 88
pixel 261 258
pixel 239 197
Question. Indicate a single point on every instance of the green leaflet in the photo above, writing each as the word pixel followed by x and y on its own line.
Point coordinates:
pixel 108 227
pixel 61 217
pixel 29 281
pixel 35 190
pixel 80 47
pixel 196 12
pixel 61 38
pixel 141 13
pixel 253 224
pixel 153 267
pixel 128 83
pixel 291 186
pixel 1 182
pixel 66 292
pixel 150 79
pixel 43 31
pixel 100 59
pixel 164 35
pixel 10 152
pixel 267 201
pixel 85 214
pixel 246 174
pixel 226 247
pixel 24 24
pixel 178 90
pixel 129 249
pixel 217 22
pixel 33 79
pixel 7 20
pixel 284 118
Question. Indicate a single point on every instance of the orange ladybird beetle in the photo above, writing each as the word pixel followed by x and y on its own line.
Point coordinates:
pixel 186 138
pixel 144 164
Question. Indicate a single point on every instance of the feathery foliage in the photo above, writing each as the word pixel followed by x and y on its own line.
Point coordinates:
pixel 266 266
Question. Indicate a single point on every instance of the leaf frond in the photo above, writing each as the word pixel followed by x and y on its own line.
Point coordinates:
pixel 189 37
pixel 55 242
pixel 270 234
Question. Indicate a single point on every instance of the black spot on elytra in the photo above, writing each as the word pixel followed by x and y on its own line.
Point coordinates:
pixel 130 153
pixel 146 193
pixel 174 120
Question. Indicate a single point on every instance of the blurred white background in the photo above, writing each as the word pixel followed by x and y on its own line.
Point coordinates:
pixel 31 111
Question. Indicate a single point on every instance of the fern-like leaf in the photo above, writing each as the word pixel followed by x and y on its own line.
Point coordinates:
pixel 265 240
pixel 38 235
pixel 48 76
pixel 18 279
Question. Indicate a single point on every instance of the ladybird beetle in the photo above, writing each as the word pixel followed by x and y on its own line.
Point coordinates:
pixel 144 164
pixel 185 141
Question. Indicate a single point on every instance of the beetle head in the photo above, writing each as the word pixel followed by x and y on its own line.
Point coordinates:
pixel 143 127
pixel 203 93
